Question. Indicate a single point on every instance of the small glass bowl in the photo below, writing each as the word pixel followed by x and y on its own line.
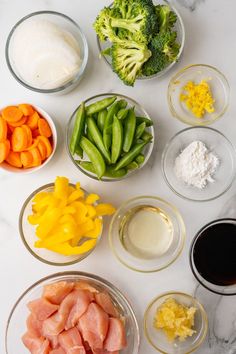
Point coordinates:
pixel 16 324
pixel 153 264
pixel 219 87
pixel 67 24
pixel 179 28
pixel 217 289
pixel 216 142
pixel 8 168
pixel 138 109
pixel 28 236
pixel 157 337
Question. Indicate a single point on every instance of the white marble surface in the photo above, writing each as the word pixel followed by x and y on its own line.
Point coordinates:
pixel 210 38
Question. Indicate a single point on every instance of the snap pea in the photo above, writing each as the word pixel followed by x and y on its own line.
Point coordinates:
pixel 132 165
pixel 117 139
pixel 122 114
pixel 97 138
pixel 110 172
pixel 130 156
pixel 77 131
pixel 94 156
pixel 100 105
pixel 148 122
pixel 140 130
pixel 101 119
pixel 146 136
pixel 107 131
pixel 89 136
pixel 129 130
pixel 140 159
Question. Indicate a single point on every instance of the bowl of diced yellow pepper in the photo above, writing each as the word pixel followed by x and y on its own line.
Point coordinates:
pixel 60 223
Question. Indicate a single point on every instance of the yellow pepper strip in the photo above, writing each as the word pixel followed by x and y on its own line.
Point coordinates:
pixel 69 210
pixel 77 194
pixel 67 250
pixel 61 188
pixel 71 189
pixel 77 186
pixel 91 211
pixel 96 231
pixel 48 222
pixel 92 198
pixel 104 209
pixel 81 212
pixel 39 196
pixel 67 218
pixel 82 230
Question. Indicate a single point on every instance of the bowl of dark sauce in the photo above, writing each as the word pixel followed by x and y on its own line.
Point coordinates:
pixel 213 256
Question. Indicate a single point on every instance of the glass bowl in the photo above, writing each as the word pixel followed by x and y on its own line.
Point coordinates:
pixel 5 166
pixel 67 24
pixel 27 233
pixel 218 289
pixel 138 109
pixel 179 28
pixel 155 262
pixel 158 339
pixel 216 142
pixel 219 87
pixel 16 324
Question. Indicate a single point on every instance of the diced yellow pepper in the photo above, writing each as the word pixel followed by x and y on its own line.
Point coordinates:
pixel 61 189
pixel 104 209
pixel 92 198
pixel 67 250
pixel 48 221
pixel 96 231
pixel 78 194
pixel 91 211
pixel 69 210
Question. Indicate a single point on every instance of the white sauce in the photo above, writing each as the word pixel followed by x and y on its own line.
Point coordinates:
pixel 45 55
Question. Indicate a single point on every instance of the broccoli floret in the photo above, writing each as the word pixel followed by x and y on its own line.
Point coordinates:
pixel 127 60
pixel 157 62
pixel 165 42
pixel 102 25
pixel 166 17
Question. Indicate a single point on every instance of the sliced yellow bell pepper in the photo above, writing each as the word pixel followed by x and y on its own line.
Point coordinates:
pixel 104 209
pixel 67 250
pixel 92 198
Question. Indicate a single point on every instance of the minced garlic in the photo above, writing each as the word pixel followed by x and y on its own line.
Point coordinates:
pixel 198 98
pixel 175 320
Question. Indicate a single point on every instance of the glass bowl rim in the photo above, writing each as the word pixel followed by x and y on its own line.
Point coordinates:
pixel 168 144
pixel 166 69
pixel 195 273
pixel 20 221
pixel 150 145
pixel 190 297
pixel 62 87
pixel 180 222
pixel 76 273
pixel 169 95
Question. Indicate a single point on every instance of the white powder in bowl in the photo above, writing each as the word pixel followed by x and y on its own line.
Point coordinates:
pixel 196 165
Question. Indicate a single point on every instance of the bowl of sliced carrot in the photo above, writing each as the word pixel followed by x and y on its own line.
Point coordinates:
pixel 28 138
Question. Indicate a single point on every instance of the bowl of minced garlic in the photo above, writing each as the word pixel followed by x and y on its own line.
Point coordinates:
pixel 198 94
pixel 175 322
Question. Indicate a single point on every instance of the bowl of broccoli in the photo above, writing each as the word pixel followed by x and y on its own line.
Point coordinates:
pixel 139 39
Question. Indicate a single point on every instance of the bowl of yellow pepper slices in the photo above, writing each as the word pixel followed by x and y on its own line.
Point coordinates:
pixel 60 223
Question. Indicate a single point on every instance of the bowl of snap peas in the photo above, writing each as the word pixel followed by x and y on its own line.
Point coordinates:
pixel 109 137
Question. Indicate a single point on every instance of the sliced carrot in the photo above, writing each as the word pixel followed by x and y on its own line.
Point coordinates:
pixel 35 133
pixel 4 150
pixel 42 149
pixel 32 120
pixel 47 144
pixel 44 128
pixel 10 129
pixel 12 114
pixel 3 129
pixel 18 123
pixel 29 134
pixel 19 139
pixel 36 157
pixel 26 158
pixel 26 109
pixel 14 159
pixel 34 144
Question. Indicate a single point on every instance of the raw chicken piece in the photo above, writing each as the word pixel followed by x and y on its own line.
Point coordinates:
pixel 104 300
pixel 84 298
pixel 58 351
pixel 56 292
pixel 116 338
pixel 85 286
pixel 36 345
pixel 42 308
pixel 53 325
pixel 71 341
pixel 34 326
pixel 53 340
pixel 94 326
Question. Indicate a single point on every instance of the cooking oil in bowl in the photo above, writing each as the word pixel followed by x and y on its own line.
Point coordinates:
pixel 146 232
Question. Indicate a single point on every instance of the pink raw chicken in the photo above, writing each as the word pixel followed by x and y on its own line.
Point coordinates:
pixel 71 342
pixel 42 308
pixel 36 345
pixel 56 292
pixel 94 325
pixel 116 338
pixel 58 351
pixel 104 300
pixel 83 285
pixel 34 325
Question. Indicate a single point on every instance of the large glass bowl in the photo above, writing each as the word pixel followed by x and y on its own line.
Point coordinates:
pixel 16 324
pixel 28 236
pixel 139 110
pixel 179 28
pixel 157 337
pixel 65 23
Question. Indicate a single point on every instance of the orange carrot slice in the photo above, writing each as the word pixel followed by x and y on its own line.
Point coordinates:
pixel 26 109
pixel 42 149
pixel 36 157
pixel 4 150
pixel 13 159
pixel 29 134
pixel 26 158
pixel 32 120
pixel 3 129
pixel 47 144
pixel 35 133
pixel 18 123
pixel 10 129
pixel 19 139
pixel 12 114
pixel 44 128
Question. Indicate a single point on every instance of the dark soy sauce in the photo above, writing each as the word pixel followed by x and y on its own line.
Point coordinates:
pixel 214 253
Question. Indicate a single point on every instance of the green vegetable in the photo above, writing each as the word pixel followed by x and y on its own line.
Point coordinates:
pixel 101 119
pixel 110 172
pixel 148 122
pixel 166 17
pixel 77 131
pixel 129 130
pixel 122 113
pixel 146 136
pixel 94 156
pixel 89 136
pixel 100 105
pixel 97 138
pixel 130 156
pixel 107 131
pixel 140 130
pixel 117 139
pixel 140 159
pixel 132 165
